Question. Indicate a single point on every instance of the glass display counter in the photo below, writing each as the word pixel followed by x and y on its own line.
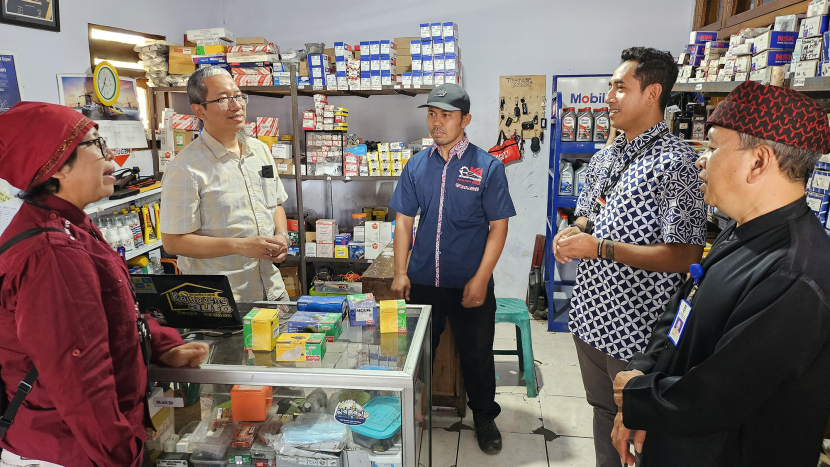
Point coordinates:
pixel 366 402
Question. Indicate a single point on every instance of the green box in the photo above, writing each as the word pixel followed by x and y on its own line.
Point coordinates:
pixel 247 330
pixel 330 324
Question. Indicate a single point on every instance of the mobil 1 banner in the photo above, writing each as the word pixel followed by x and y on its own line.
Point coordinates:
pixel 582 91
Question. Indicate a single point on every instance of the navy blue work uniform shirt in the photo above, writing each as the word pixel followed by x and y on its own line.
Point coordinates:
pixel 458 199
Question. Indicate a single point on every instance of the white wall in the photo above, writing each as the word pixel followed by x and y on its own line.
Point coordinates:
pixel 43 54
pixel 544 37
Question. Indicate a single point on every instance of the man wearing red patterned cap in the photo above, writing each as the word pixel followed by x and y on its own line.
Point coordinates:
pixel 738 367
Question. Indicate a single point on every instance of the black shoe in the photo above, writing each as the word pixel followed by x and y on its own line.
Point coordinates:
pixel 488 435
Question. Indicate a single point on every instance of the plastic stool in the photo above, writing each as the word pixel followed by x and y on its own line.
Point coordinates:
pixel 514 310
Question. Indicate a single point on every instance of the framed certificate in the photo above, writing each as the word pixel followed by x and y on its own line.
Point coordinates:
pixel 38 14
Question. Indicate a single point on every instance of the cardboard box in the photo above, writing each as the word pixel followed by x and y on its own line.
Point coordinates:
pixel 811 27
pixel 180 61
pixel 702 37
pixel 253 80
pixel 818 8
pixel 341 251
pixel 326 230
pixel 284 166
pixel 807 69
pixel 211 49
pixel 392 316
pixel 773 75
pixel 267 126
pixel 301 347
pixel 330 324
pixel 360 313
pixel 821 182
pixel 771 58
pixel 181 138
pixel 774 40
pixel 210 33
pixel 325 250
pixel 261 48
pixel 311 249
pixel 405 43
pixel 811 48
pixel 267 140
pixel 450 30
pixel 818 204
pixel 260 328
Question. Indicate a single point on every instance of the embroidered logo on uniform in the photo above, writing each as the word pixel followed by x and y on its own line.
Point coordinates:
pixel 471 173
pixel 441 93
pixel 467 187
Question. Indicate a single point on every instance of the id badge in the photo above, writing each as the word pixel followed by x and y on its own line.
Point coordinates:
pixel 679 324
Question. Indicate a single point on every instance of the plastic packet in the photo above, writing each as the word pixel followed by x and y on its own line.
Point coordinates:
pixel 315 431
pixel 151 61
pixel 221 418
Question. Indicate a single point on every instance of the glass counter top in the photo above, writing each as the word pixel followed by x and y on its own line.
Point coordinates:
pixel 357 348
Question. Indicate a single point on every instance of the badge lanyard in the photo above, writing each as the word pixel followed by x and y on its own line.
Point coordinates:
pixel 607 187
pixel 685 308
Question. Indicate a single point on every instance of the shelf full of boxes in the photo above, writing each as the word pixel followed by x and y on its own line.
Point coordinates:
pixel 401 66
pixel 793 52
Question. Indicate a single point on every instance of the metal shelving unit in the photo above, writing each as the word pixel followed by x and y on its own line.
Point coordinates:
pixel 293 91
pixel 558 321
pixel 106 204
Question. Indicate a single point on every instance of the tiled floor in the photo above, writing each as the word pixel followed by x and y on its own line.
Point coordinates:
pixel 552 429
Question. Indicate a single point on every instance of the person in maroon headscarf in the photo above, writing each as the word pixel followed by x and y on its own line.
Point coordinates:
pixel 67 305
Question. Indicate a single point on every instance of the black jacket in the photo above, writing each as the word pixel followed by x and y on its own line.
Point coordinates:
pixel 749 382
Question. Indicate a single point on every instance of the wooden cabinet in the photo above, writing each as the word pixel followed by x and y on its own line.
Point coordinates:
pixel 730 16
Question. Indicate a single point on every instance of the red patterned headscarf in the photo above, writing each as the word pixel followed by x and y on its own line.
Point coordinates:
pixel 775 114
pixel 36 139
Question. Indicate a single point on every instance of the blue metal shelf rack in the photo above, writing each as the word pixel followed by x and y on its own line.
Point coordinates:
pixel 558 318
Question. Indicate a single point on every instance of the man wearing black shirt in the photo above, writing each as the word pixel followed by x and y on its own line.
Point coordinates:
pixel 737 371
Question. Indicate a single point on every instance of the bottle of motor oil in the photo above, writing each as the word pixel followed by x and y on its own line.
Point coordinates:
pixel 602 125
pixel 585 125
pixel 579 176
pixel 566 179
pixel 568 124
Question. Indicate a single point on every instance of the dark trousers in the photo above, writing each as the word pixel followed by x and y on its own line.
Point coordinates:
pixel 598 373
pixel 473 330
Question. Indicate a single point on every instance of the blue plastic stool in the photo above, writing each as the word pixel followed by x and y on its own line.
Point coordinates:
pixel 514 310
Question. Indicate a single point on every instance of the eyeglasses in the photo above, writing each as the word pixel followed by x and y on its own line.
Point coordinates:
pixel 224 102
pixel 100 142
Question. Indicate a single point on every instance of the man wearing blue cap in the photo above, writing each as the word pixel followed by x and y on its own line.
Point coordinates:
pixel 461 192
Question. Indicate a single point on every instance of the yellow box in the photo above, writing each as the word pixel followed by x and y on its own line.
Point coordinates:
pixel 211 49
pixel 392 316
pixel 341 251
pixel 268 140
pixel 300 347
pixel 265 328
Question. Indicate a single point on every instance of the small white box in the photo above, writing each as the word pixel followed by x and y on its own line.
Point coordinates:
pixel 428 66
pixel 743 64
pixel 311 249
pixel 811 27
pixel 385 232
pixel 373 250
pixel 818 8
pixel 426 48
pixel 417 65
pixel 372 232
pixel 210 33
pixel 325 250
pixel 807 69
pixel 359 235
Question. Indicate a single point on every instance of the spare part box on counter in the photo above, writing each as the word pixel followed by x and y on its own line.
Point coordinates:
pixel 370 387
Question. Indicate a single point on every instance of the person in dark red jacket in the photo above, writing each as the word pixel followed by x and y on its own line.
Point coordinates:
pixel 67 304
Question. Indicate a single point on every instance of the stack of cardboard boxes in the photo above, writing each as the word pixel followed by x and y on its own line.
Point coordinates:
pixel 772 53
pixel 818 194
pixel 388 160
pixel 436 59
pixel 254 61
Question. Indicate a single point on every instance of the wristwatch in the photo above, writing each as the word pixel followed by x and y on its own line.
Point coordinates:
pixel 284 234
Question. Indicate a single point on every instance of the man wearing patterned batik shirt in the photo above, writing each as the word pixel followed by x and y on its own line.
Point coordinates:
pixel 461 192
pixel 641 224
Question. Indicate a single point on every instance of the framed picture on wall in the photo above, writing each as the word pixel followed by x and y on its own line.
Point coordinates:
pixel 38 14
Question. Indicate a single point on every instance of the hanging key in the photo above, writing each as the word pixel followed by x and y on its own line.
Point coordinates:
pixel 501 106
pixel 509 121
pixel 516 111
pixel 544 123
pixel 536 119
pixel 541 136
pixel 524 106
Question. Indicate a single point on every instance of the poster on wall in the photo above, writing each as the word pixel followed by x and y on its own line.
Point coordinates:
pixel 119 123
pixel 582 91
pixel 38 14
pixel 10 92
